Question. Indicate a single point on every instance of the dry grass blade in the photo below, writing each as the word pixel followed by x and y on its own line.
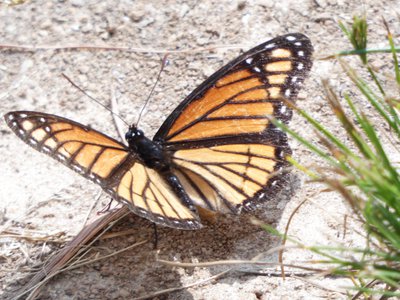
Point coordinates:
pixel 34 48
pixel 34 236
pixel 285 236
pixel 60 260
pixel 166 291
pixel 235 262
pixel 320 286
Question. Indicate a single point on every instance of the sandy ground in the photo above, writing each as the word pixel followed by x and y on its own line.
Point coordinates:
pixel 40 197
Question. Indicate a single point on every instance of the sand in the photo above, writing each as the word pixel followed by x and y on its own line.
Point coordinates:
pixel 39 197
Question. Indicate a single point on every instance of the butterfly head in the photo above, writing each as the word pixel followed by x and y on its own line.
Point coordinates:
pixel 133 134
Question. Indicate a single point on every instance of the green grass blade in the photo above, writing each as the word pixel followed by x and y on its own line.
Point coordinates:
pixel 393 50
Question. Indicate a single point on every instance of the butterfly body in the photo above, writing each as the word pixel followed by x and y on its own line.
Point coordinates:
pixel 151 153
pixel 217 150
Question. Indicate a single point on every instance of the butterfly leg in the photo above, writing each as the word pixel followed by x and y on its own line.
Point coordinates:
pixel 106 208
pixel 155 241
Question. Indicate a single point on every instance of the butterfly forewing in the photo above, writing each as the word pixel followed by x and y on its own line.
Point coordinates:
pixel 105 161
pixel 241 98
pixel 84 150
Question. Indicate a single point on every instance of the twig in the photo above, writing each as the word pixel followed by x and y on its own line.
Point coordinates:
pixel 368 285
pixel 280 259
pixel 33 48
pixel 115 109
pixel 96 199
pixel 233 262
pixel 70 251
pixel 111 235
pixel 358 52
pixel 320 286
pixel 162 292
pixel 75 266
pixel 275 273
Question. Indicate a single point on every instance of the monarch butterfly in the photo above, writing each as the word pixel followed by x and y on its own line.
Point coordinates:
pixel 217 150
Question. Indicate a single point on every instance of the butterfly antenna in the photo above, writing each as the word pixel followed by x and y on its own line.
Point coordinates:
pixel 164 63
pixel 94 99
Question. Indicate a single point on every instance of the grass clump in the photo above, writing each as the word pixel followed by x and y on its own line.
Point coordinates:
pixel 362 170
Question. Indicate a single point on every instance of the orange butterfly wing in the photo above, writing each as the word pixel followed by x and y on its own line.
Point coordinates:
pixel 240 98
pixel 105 161
pixel 224 148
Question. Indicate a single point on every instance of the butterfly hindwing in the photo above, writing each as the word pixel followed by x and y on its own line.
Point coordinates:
pixel 105 161
pixel 230 177
pixel 153 198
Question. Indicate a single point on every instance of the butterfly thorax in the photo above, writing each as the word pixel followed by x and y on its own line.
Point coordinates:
pixel 149 152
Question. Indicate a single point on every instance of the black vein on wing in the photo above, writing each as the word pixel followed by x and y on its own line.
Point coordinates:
pixel 196 188
pixel 251 154
pixel 164 197
pixel 227 202
pixel 215 108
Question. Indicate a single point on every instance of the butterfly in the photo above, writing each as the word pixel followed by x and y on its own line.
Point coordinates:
pixel 218 150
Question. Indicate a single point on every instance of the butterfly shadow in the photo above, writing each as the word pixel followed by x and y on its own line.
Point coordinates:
pixel 137 272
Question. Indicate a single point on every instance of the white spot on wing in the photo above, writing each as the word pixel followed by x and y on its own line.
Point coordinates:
pixel 143 211
pixel 300 66
pixel 297 44
pixel 283 109
pixel 269 46
pixel 46 149
pixel 21 132
pixel 300 53
pixel 23 115
pixel 10 117
pixel 256 69
pixel 78 168
pixel 294 79
pixel 290 38
pixel 61 157
pixel 287 93
pixel 249 60
pixel 41 119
